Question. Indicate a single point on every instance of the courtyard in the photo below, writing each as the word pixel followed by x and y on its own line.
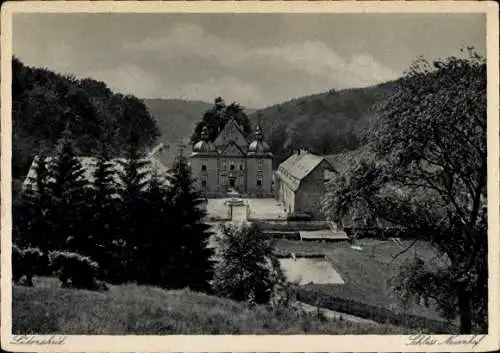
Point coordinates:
pixel 263 208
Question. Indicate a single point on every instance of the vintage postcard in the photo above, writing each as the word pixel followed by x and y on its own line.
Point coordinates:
pixel 250 176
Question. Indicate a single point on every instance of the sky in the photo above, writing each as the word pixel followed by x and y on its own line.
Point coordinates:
pixel 254 59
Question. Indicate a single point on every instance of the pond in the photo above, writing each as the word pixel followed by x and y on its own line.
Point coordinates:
pixel 310 270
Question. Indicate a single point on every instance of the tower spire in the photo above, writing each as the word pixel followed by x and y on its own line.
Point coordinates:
pixel 258 129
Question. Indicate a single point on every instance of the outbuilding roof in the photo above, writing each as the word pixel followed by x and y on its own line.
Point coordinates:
pixel 299 165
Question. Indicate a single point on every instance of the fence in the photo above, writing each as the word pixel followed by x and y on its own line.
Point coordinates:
pixel 372 312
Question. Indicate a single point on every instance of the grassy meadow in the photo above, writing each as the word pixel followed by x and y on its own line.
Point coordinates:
pixel 47 308
pixel 366 273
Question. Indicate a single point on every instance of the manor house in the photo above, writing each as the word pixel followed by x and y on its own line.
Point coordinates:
pixel 231 163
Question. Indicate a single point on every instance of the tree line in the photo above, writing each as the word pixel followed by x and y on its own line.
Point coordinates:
pixel 43 102
pixel 136 224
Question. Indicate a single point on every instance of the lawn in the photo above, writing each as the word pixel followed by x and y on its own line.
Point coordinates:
pixel 366 273
pixel 131 309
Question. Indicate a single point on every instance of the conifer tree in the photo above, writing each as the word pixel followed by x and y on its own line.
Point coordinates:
pixel 102 212
pixel 248 270
pixel 31 216
pixel 68 187
pixel 159 245
pixel 133 215
pixel 193 258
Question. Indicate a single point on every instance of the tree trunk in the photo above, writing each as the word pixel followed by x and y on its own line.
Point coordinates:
pixel 465 313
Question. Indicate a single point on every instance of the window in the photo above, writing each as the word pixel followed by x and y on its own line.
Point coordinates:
pixel 203 168
pixel 241 167
pixel 259 182
pixel 231 167
pixel 260 163
pixel 204 183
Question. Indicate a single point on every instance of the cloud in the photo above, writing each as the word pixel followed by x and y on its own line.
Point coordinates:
pixel 229 87
pixel 312 57
pixel 183 60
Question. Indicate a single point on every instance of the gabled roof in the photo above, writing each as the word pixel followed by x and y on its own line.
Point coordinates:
pixel 298 166
pixel 89 167
pixel 301 165
pixel 231 132
pixel 232 149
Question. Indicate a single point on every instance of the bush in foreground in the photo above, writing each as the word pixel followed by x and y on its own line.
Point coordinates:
pixel 74 270
pixel 26 263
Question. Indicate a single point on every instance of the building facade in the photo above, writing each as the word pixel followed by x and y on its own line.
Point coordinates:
pixel 300 183
pixel 231 163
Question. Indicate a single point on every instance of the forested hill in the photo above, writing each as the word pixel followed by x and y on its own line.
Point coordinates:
pixel 176 117
pixel 176 120
pixel 324 123
pixel 44 103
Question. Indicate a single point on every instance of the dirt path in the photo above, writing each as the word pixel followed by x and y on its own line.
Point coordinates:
pixel 336 315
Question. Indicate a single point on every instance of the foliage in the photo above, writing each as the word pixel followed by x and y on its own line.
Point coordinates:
pixel 325 123
pixel 43 102
pixel 67 187
pixel 194 268
pixel 428 174
pixel 101 215
pixel 26 263
pixel 32 209
pixel 248 269
pixel 159 245
pixel 74 270
pixel 216 118
pixel 132 213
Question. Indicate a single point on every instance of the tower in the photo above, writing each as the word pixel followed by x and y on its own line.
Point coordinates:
pixel 260 160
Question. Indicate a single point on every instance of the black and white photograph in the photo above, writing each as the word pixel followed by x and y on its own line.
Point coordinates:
pixel 249 173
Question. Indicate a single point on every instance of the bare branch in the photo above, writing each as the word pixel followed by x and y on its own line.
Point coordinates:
pixel 404 250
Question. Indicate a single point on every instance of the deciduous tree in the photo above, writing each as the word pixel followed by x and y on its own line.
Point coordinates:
pixel 427 172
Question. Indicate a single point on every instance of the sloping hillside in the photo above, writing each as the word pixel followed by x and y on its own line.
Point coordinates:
pixel 176 117
pixel 44 103
pixel 325 123
pixel 131 309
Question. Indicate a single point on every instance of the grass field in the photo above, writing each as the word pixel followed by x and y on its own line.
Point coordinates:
pixel 131 309
pixel 366 273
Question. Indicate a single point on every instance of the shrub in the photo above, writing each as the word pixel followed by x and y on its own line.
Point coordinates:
pixel 248 270
pixel 74 270
pixel 26 263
